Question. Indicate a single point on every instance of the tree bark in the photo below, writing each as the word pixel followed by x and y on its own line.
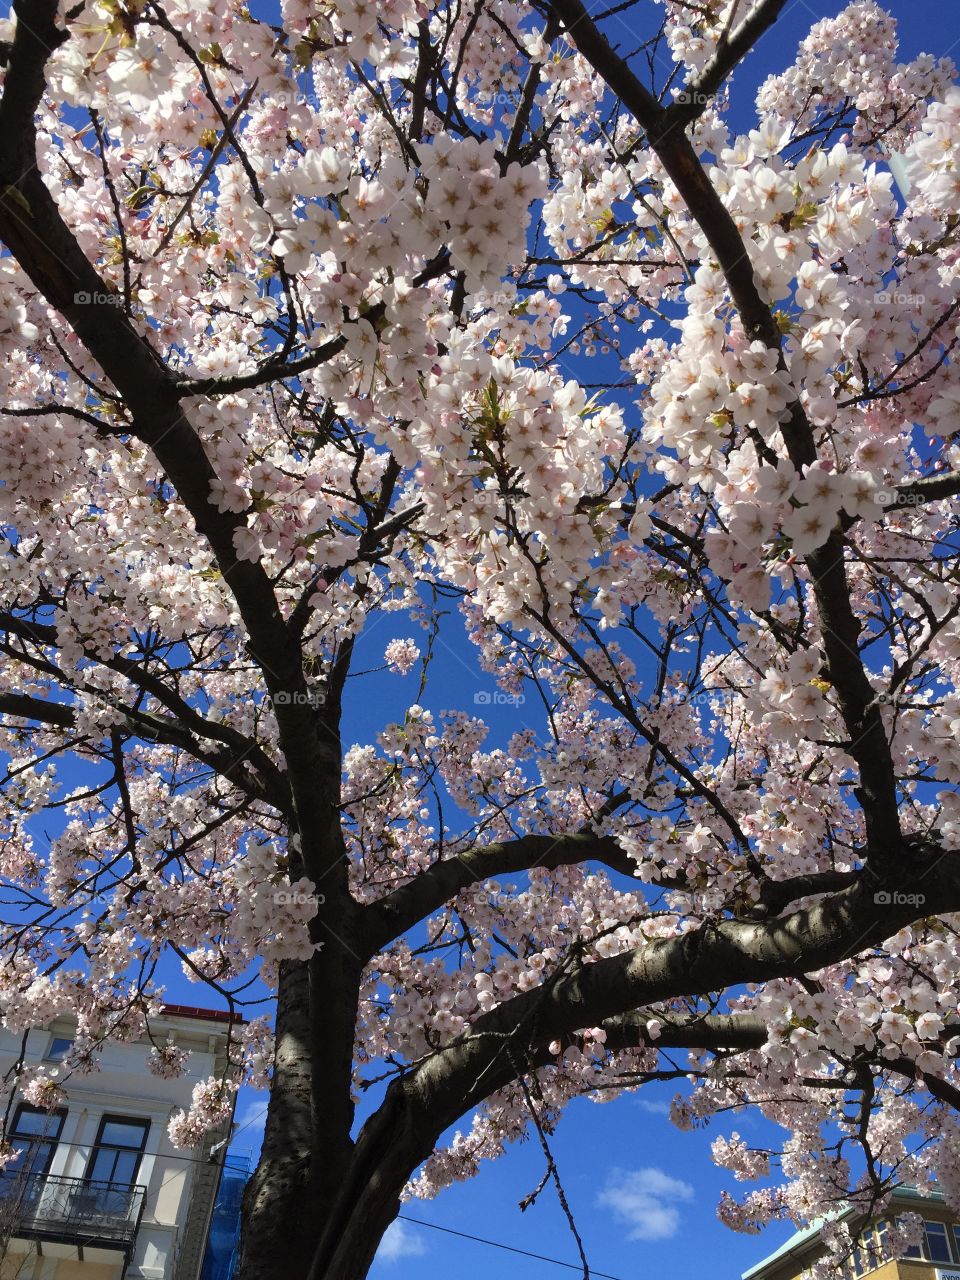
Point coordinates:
pixel 420 1105
pixel 276 1203
pixel 307 1149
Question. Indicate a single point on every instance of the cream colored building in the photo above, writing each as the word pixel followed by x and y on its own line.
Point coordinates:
pixel 937 1257
pixel 98 1191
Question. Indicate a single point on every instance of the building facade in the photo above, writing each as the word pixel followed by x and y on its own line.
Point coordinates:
pixel 937 1257
pixel 97 1190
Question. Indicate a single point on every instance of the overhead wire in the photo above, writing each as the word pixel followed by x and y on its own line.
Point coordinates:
pixel 405 1217
pixel 509 1248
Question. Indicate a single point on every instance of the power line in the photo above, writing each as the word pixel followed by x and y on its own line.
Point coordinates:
pixel 62 1142
pixel 433 1226
pixel 247 1123
pixel 157 1155
pixel 509 1248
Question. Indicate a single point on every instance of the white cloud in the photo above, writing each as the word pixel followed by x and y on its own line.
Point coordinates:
pixel 400 1242
pixel 646 1201
pixel 656 1106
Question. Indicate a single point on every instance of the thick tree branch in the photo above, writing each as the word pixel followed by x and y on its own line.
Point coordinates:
pixel 714 957
pixel 432 889
pixel 151 728
pixel 26 708
pixel 928 489
pixel 46 249
pixel 718 1032
pixel 428 891
pixel 775 895
pixel 193 723
pixel 731 50
pixel 840 627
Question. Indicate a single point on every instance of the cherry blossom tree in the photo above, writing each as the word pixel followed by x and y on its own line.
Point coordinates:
pixel 404 310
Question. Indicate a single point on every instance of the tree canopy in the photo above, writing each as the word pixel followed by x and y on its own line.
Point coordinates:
pixel 486 317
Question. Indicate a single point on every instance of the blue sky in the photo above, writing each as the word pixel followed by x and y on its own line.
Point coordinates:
pixel 643 1194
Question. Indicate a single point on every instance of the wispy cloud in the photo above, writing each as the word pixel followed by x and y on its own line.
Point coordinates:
pixel 646 1201
pixel 656 1106
pixel 400 1242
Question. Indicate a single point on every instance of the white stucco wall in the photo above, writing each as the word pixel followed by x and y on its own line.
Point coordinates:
pixel 123 1087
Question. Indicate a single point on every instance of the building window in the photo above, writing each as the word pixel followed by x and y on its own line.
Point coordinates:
pixel 937 1242
pixel 914 1250
pixel 868 1254
pixel 881 1242
pixel 34 1136
pixel 59 1048
pixel 117 1151
pixel 935 1246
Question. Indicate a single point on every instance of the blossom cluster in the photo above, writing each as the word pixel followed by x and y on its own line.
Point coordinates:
pixel 372 311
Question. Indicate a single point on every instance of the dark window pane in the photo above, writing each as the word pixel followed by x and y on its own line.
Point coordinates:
pixel 114 1166
pixel 125 1166
pixel 29 1123
pixel 101 1166
pixel 914 1251
pixel 116 1154
pixel 938 1250
pixel 871 1250
pixel 33 1157
pixel 123 1133
pixel 59 1048
pixel 45 1124
pixel 33 1136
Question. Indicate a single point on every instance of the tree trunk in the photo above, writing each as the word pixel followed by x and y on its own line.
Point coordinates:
pixel 275 1218
pixel 307 1146
pixel 389 1148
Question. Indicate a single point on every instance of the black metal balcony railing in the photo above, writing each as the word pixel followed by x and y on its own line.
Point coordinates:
pixel 38 1205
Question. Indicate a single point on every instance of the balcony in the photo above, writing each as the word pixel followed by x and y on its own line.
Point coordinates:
pixel 103 1215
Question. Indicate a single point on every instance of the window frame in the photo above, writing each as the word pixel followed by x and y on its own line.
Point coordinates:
pixel 100 1145
pixel 914 1252
pixel 34 1141
pixel 921 1252
pixel 66 1041
pixel 880 1229
pixel 872 1240
pixel 947 1233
